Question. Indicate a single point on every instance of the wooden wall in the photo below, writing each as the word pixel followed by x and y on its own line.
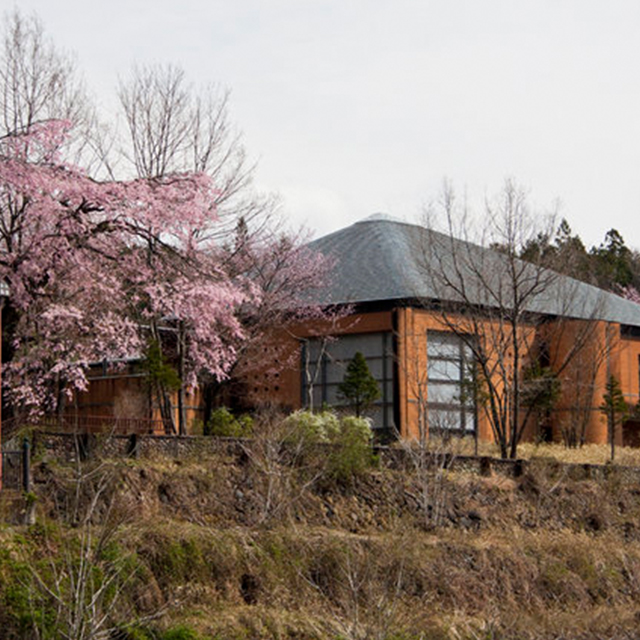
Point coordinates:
pixel 274 375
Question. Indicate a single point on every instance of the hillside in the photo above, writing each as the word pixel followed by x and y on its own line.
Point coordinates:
pixel 263 544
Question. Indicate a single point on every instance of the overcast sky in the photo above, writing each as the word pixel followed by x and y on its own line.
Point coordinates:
pixel 358 106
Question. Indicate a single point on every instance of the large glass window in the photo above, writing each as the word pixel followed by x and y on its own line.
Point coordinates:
pixel 450 384
pixel 324 364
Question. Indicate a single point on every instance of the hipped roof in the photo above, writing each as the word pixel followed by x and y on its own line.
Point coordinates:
pixel 380 259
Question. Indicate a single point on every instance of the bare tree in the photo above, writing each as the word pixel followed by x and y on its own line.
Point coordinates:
pixel 283 466
pixel 311 371
pixel 501 308
pixel 432 451
pixel 173 127
pixel 362 590
pixel 39 83
pixel 82 586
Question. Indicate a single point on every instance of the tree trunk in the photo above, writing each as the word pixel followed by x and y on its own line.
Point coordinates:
pixel 612 433
pixel 182 410
pixel 166 411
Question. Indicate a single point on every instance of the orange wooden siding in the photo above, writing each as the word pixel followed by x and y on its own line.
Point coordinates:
pixel 275 377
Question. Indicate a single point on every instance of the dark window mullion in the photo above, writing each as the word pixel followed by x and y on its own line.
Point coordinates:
pixel 465 413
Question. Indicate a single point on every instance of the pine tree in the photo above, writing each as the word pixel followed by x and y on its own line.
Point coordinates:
pixel 359 387
pixel 614 408
pixel 613 262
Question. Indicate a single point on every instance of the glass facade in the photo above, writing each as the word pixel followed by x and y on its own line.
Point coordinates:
pixel 324 363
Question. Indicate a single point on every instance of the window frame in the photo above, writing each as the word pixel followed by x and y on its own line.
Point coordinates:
pixel 381 364
pixel 461 356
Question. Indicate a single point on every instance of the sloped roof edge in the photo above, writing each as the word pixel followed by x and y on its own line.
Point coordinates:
pixel 377 260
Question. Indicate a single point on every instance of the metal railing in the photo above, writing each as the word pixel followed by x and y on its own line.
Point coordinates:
pixel 101 424
pixel 11 470
pixel 16 468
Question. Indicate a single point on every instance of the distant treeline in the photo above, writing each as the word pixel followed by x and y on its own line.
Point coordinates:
pixel 611 265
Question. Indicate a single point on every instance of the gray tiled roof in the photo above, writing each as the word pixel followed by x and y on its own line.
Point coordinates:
pixel 382 259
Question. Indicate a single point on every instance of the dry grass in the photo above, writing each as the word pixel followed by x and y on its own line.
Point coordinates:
pixel 588 454
pixel 410 585
pixel 513 558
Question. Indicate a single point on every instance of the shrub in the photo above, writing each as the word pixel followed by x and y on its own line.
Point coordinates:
pixel 352 454
pixel 181 632
pixel 305 427
pixel 134 633
pixel 223 423
pixel 350 436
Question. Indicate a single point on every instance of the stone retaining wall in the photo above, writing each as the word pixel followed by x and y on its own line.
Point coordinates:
pixel 70 447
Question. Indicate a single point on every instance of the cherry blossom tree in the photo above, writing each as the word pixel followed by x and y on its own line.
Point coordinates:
pixel 100 269
pixel 73 253
pixel 631 293
pixel 287 310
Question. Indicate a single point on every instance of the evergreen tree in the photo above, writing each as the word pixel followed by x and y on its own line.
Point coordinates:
pixel 613 262
pixel 359 387
pixel 561 251
pixel 611 265
pixel 163 380
pixel 614 408
pixel 571 256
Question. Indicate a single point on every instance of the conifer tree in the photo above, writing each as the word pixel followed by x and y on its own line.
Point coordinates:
pixel 614 408
pixel 359 387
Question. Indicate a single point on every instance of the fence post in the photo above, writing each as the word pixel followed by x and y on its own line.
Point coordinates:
pixel 26 466
pixel 133 450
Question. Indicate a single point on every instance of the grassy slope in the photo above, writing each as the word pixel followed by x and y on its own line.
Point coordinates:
pixel 235 549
